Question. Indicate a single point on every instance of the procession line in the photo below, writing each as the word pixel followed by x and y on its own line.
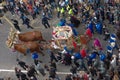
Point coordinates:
pixel 7 70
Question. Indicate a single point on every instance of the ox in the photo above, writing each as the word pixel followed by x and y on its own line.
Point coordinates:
pixel 31 36
pixel 31 46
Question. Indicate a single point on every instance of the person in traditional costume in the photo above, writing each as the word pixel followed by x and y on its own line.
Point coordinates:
pixel 97 44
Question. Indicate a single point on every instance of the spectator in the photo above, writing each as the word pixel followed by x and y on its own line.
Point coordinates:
pixel 17 73
pixel 16 25
pixel 68 77
pixel 23 17
pixel 52 73
pixel 53 57
pixel 73 70
pixel 23 76
pixel 40 69
pixel 22 64
pixel 113 62
pixel 45 22
pixel 31 72
pixel 27 22
pixel 1 22
pixel 53 64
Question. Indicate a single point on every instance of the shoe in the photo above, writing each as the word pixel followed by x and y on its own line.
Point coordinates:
pixel 31 27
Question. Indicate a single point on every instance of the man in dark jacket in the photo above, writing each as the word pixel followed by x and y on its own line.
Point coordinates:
pixel 27 22
pixel 31 72
pixel 22 64
pixel 16 25
pixel 52 73
pixel 53 57
pixel 1 22
pixel 45 22
pixel 23 76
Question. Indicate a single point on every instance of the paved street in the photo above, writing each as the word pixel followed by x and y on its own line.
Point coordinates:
pixel 8 58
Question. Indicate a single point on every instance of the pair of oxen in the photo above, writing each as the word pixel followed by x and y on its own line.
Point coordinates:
pixel 29 42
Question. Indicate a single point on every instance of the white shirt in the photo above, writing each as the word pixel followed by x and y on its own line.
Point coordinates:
pixel 113 62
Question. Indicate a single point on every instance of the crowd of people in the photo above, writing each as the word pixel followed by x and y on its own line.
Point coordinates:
pixel 95 15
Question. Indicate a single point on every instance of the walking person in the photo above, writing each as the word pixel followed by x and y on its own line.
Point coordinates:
pixel 31 72
pixel 23 17
pixel 22 64
pixel 20 75
pixel 40 69
pixel 58 12
pixel 23 76
pixel 17 73
pixel 1 22
pixel 45 22
pixel 16 24
pixel 27 22
pixel 36 61
pixel 52 73
pixel 53 57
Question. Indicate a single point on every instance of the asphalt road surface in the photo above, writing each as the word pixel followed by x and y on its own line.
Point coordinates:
pixel 8 58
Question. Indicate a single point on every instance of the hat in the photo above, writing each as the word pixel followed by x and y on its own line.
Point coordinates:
pixel 112 44
pixel 72 57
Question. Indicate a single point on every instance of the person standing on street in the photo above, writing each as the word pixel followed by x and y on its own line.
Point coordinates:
pixel 53 57
pixel 45 22
pixel 1 21
pixel 32 72
pixel 17 73
pixel 20 75
pixel 40 68
pixel 22 64
pixel 23 76
pixel 16 24
pixel 27 22
pixel 23 17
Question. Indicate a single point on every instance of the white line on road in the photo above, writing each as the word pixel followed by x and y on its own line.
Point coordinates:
pixel 7 70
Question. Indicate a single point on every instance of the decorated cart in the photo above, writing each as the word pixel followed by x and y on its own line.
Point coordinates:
pixel 62 36
pixel 65 36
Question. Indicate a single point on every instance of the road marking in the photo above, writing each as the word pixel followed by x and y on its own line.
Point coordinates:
pixel 8 21
pixel 7 70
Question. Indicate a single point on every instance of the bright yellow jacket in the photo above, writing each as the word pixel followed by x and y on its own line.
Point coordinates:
pixel 70 12
pixel 68 7
pixel 62 10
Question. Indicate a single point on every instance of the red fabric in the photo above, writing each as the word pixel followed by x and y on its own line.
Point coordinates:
pixel 74 44
pixel 83 39
pixel 83 53
pixel 88 33
pixel 53 33
pixel 30 8
pixel 85 77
